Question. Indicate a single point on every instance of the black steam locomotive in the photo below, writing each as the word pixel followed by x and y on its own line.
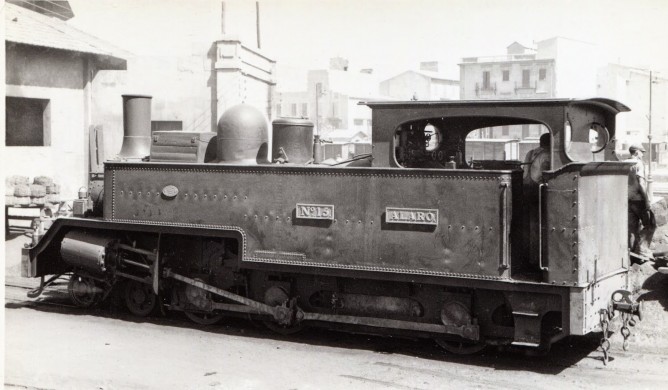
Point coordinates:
pixel 418 238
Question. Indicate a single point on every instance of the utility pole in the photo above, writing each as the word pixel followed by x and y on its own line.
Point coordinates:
pixel 650 181
pixel 318 93
pixel 257 23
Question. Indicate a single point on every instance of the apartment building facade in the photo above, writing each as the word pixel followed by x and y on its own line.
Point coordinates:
pixel 556 67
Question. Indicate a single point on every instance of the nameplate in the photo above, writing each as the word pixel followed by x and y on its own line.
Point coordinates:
pixel 411 216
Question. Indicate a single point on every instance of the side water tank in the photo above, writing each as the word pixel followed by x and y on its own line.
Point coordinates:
pixel 295 137
pixel 242 136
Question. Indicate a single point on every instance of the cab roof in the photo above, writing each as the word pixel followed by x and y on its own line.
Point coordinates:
pixel 607 104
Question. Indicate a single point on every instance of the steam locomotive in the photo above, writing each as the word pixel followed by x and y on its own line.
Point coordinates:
pixel 418 238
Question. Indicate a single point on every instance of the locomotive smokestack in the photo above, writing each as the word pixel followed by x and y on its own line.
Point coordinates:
pixel 136 127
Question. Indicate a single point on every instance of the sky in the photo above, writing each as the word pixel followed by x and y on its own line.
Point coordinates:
pixel 389 36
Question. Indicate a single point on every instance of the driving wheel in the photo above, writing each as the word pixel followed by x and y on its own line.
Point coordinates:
pixel 203 318
pixel 278 296
pixel 83 291
pixel 139 298
pixel 460 347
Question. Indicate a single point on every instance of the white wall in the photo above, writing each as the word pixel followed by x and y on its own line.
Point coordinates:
pixel 576 65
pixel 64 160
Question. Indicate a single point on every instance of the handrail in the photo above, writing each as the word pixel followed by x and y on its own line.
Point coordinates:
pixel 540 226
pixel 504 226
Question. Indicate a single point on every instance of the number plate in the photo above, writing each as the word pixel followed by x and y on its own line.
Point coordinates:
pixel 315 211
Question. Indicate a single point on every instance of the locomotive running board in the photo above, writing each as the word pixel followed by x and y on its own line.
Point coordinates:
pixel 247 305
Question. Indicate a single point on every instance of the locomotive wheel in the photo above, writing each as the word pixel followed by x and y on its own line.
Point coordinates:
pixel 203 318
pixel 83 291
pixel 460 347
pixel 139 298
pixel 277 296
pixel 284 330
pixel 201 299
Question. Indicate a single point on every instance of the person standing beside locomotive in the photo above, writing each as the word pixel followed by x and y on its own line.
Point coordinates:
pixel 536 161
pixel 641 219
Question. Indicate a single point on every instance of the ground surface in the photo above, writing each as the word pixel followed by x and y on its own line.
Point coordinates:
pixel 56 347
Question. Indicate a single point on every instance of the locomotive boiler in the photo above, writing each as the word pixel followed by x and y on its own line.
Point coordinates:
pixel 419 238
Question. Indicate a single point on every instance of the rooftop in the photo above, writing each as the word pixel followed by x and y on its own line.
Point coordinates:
pixel 26 27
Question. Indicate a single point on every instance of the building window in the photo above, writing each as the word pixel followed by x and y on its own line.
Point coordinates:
pixel 293 109
pixel 278 109
pixel 485 80
pixel 505 130
pixel 359 122
pixel 27 122
pixel 542 73
pixel 506 75
pixel 304 110
pixel 334 110
pixel 526 78
pixel 526 131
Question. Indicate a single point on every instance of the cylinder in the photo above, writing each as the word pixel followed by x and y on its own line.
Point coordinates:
pixel 242 136
pixel 87 251
pixel 136 127
pixel 295 137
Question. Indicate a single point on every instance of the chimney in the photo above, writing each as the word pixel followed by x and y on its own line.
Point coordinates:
pixel 136 127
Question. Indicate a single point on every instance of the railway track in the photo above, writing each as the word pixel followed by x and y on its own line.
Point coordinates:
pixel 17 293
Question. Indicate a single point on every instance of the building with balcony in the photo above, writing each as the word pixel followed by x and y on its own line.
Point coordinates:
pixel 556 67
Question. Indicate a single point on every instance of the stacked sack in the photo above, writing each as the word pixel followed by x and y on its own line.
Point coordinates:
pixel 21 185
pixel 38 189
pixel 9 192
pixel 19 191
pixel 52 193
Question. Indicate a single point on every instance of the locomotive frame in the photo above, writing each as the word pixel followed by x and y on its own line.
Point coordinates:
pixel 411 240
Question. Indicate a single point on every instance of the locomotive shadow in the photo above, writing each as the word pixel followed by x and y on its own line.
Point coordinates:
pixel 657 289
pixel 563 354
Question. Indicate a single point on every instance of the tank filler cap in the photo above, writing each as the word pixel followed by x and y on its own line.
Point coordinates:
pixel 170 192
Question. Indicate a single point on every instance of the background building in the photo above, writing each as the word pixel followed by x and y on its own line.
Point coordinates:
pixel 631 86
pixel 424 84
pixel 63 90
pixel 190 91
pixel 331 99
pixel 52 78
pixel 557 67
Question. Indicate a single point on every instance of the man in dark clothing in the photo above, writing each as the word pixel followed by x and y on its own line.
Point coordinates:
pixel 641 221
pixel 535 162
